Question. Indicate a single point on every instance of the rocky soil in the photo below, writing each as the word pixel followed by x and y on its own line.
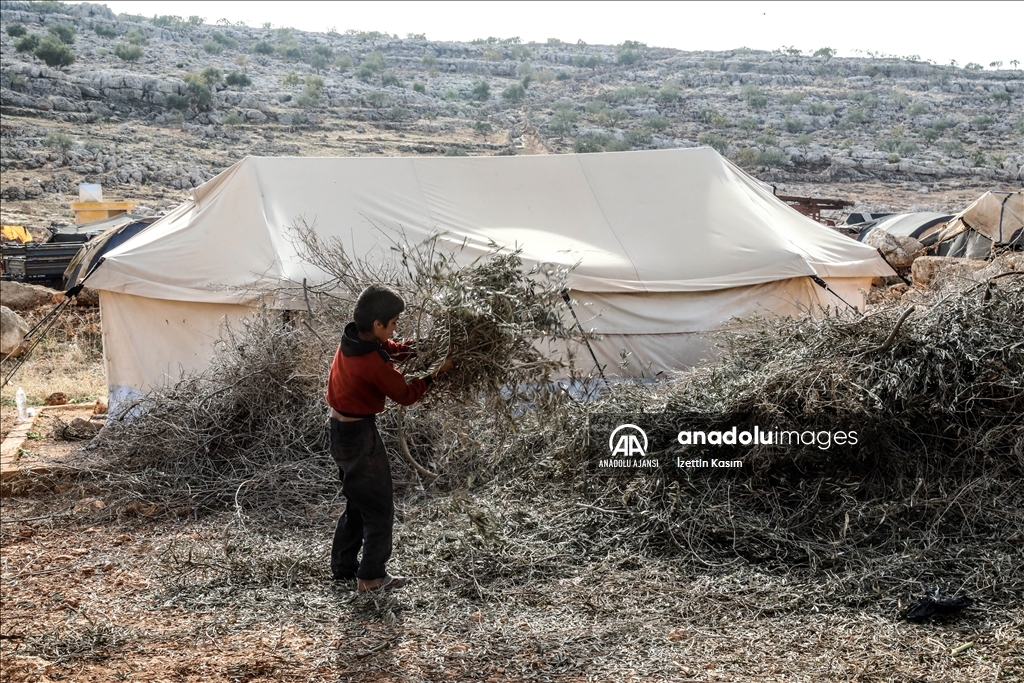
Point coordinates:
pixel 886 133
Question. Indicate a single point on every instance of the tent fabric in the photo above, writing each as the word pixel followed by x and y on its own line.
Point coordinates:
pixel 666 246
pixel 93 250
pixel 920 225
pixel 658 221
pixel 148 342
pixel 998 216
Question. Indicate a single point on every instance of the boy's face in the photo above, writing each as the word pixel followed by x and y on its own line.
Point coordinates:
pixel 383 332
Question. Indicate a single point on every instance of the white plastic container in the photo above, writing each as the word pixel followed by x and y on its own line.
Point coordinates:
pixel 21 401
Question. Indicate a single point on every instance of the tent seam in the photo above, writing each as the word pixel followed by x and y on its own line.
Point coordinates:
pixel 608 223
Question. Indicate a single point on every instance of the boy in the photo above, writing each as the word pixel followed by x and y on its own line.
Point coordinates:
pixel 361 376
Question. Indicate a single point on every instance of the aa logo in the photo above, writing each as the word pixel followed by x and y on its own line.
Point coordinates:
pixel 628 443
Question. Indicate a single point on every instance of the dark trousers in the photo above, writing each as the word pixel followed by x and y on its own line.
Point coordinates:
pixel 370 510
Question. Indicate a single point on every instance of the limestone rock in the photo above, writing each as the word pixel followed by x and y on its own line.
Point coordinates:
pixel 20 296
pixel 933 272
pixel 899 251
pixel 12 331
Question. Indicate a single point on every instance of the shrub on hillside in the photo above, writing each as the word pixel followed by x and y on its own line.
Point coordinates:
pixel 64 33
pixel 513 93
pixel 105 30
pixel 715 142
pixel 27 43
pixel 263 48
pixel 238 79
pixel 16 30
pixel 481 91
pixel 136 37
pixel 54 53
pixel 129 53
pixel 213 47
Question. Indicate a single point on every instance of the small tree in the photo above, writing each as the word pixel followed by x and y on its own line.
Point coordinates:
pixel 513 93
pixel 128 53
pixel 481 91
pixel 16 30
pixel 263 48
pixel 200 95
pixel 65 33
pixel 629 52
pixel 390 79
pixel 212 47
pixel 210 75
pixel 343 63
pixel 237 79
pixel 136 37
pixel 420 88
pixel 375 61
pixel 55 53
pixel 826 52
pixel 105 30
pixel 27 43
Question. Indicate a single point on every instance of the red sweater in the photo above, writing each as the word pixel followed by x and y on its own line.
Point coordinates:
pixel 363 374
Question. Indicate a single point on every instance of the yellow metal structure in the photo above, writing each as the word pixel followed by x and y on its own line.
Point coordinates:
pixel 88 212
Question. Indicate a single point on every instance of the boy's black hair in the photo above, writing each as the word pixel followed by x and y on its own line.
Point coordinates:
pixel 377 302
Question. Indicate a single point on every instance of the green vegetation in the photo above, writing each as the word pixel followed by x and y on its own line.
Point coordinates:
pixel 756 99
pixel 213 47
pixel 64 33
pixel 136 37
pixel 716 142
pixel 513 93
pixel 375 61
pixel 629 52
pixel 1002 97
pixel 128 53
pixel 792 98
pixel 344 62
pixel 390 79
pixel 481 91
pixel 200 96
pixel 670 92
pixel 238 80
pixel 17 30
pixel 819 109
pixel 749 124
pixel 210 75
pixel 227 42
pixel 429 60
pixel 793 126
pixel 658 123
pixel 419 87
pixel 105 30
pixel 562 121
pixel 917 109
pixel 174 101
pixel 263 48
pixel 291 79
pixel 455 152
pixel 376 98
pixel 53 52
pixel 58 141
pixel 232 119
pixel 482 128
pixel 27 43
pixel 826 52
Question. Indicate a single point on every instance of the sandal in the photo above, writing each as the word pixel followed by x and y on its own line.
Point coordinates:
pixel 388 583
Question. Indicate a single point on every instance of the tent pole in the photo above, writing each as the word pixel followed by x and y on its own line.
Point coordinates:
pixel 824 285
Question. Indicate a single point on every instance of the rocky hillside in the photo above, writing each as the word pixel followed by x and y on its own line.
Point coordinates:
pixel 151 107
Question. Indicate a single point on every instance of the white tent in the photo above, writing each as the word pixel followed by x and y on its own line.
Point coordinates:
pixel 993 219
pixel 669 244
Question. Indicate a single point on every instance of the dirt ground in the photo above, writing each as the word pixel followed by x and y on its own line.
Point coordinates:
pixel 94 590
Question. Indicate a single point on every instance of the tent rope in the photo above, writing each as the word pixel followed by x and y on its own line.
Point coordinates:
pixel 824 285
pixel 39 330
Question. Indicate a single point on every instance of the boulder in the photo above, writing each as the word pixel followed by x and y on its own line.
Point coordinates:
pixel 900 252
pixel 20 296
pixel 12 331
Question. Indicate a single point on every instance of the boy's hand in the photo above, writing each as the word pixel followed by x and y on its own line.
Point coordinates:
pixel 447 365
